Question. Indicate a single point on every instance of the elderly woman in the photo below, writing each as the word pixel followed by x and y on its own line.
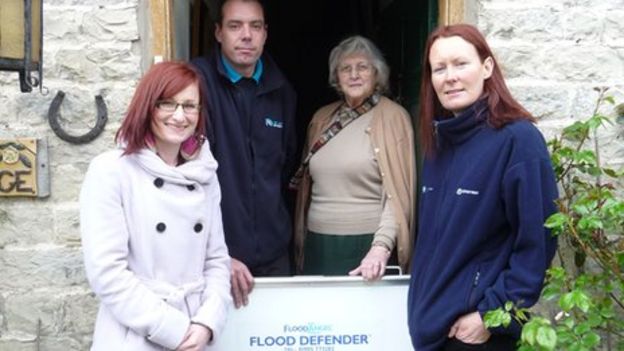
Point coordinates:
pixel 151 225
pixel 356 182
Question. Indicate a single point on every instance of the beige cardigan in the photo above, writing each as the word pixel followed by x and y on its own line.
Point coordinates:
pixel 392 138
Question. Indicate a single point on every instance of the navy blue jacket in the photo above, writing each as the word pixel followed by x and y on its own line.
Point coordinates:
pixel 481 241
pixel 255 146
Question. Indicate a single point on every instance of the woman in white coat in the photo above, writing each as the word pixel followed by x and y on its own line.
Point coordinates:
pixel 151 225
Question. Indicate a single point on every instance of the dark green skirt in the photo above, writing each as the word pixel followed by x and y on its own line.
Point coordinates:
pixel 327 254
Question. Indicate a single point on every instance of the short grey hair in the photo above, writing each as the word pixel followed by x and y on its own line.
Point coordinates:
pixel 359 45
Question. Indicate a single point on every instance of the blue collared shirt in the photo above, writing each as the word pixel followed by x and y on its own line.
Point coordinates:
pixel 235 76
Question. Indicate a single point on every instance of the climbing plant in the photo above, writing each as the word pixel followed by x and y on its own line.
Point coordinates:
pixel 586 285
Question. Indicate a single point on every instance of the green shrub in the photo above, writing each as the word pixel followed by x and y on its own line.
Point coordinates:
pixel 587 289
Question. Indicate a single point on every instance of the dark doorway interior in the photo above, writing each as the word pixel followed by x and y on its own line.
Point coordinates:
pixel 302 33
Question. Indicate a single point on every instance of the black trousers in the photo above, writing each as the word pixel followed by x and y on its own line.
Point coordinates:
pixel 495 343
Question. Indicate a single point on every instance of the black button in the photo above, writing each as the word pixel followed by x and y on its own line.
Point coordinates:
pixel 158 182
pixel 190 187
pixel 160 227
pixel 198 227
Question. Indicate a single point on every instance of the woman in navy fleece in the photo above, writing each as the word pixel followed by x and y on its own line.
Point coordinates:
pixel 487 188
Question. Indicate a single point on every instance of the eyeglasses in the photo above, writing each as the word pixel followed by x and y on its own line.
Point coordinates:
pixel 171 106
pixel 360 68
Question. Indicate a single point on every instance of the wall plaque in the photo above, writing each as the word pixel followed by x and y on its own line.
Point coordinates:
pixel 24 168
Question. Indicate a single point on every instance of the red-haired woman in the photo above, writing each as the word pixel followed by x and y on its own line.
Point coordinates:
pixel 151 223
pixel 487 188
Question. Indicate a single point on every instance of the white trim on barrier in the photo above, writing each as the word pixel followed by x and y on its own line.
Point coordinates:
pixel 317 313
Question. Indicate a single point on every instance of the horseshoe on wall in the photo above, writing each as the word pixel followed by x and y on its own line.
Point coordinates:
pixel 101 118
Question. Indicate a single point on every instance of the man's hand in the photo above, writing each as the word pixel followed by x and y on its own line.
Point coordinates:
pixel 470 329
pixel 196 338
pixel 242 283
pixel 373 266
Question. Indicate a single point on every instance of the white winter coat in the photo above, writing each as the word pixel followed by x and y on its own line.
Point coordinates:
pixel 153 247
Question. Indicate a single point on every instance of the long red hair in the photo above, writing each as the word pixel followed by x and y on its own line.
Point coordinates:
pixel 162 81
pixel 502 107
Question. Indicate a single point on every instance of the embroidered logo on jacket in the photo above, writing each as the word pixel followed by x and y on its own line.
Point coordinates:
pixel 426 189
pixel 269 122
pixel 461 191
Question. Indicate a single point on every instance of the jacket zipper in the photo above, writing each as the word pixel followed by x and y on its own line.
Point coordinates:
pixel 475 283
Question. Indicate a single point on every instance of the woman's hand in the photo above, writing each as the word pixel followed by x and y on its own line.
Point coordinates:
pixel 373 266
pixel 196 338
pixel 470 329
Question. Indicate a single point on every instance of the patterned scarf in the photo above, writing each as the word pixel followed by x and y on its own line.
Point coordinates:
pixel 342 117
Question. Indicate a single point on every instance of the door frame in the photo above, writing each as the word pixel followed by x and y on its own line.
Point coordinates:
pixel 161 30
pixel 161 24
pixel 451 11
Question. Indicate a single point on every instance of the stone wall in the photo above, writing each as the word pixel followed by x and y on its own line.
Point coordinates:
pixel 553 53
pixel 90 48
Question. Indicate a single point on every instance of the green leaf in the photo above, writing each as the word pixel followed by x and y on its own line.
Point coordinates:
pixel 582 281
pixel 565 152
pixel 620 259
pixel 581 300
pixel 610 172
pixel 583 207
pixel 528 333
pixel 590 222
pixel 577 346
pixel 497 318
pixel 590 340
pixel 575 132
pixel 506 320
pixel 607 312
pixel 556 220
pixel 508 306
pixel 581 329
pixel 609 99
pixel 521 315
pixel 556 273
pixel 612 207
pixel 594 319
pixel 608 287
pixel 565 336
pixel 575 298
pixel 585 156
pixel 546 337
pixel 550 292
pixel 566 302
pixel 594 170
pixel 596 121
pixel 569 323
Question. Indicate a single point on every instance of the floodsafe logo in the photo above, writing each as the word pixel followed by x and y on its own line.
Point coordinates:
pixel 273 123
pixel 308 337
pixel 311 328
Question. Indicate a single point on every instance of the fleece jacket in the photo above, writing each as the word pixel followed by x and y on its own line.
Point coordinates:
pixel 481 241
pixel 252 132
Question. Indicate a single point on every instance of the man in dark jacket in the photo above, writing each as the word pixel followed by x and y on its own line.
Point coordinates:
pixel 251 108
